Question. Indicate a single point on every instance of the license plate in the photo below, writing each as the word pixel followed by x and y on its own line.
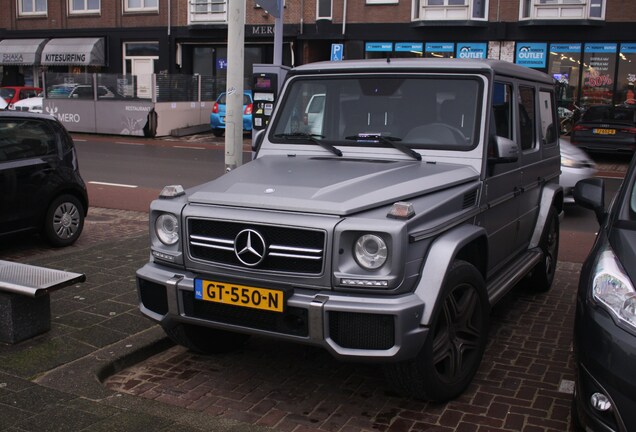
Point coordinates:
pixel 604 131
pixel 239 295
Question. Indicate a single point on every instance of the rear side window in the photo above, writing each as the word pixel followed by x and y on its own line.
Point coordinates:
pixel 25 139
pixel 549 134
pixel 527 117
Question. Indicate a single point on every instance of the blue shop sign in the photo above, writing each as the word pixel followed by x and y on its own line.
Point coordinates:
pixel 440 47
pixel 531 54
pixel 378 46
pixel 566 48
pixel 472 50
pixel 628 48
pixel 600 47
pixel 409 46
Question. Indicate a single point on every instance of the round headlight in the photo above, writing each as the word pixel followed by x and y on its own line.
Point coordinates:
pixel 370 251
pixel 167 229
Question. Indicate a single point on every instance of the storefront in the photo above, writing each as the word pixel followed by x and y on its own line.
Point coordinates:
pixel 20 61
pixel 75 55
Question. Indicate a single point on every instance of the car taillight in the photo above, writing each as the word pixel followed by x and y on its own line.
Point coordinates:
pixel 248 109
pixel 580 128
pixel 631 130
pixel 215 108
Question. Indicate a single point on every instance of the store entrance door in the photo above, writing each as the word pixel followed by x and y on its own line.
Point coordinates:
pixel 143 68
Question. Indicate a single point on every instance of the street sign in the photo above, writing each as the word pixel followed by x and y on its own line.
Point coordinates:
pixel 336 52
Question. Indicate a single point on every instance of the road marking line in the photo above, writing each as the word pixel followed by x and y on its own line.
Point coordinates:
pixel 129 143
pixel 113 184
pixel 80 140
pixel 190 147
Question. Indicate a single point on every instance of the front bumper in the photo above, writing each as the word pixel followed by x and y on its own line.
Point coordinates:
pixel 605 356
pixel 362 328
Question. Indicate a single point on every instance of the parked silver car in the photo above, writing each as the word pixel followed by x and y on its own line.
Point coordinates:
pixel 431 190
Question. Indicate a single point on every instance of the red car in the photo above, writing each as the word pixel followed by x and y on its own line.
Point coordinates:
pixel 12 94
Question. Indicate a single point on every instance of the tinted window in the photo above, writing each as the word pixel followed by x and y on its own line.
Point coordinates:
pixel 24 139
pixel 502 109
pixel 607 113
pixel 548 128
pixel 527 117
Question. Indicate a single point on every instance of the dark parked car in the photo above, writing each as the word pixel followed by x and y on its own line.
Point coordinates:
pixel 42 189
pixel 606 128
pixel 605 324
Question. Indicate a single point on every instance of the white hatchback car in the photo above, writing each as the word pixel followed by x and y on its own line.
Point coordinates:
pixel 575 165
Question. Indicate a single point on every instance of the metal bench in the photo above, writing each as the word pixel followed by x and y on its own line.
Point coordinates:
pixel 25 306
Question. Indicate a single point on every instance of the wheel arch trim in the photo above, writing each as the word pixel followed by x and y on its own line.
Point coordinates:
pixel 439 259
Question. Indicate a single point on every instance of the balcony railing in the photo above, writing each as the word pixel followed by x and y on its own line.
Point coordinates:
pixel 207 11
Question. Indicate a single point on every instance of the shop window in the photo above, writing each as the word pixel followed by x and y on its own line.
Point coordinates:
pixel 562 9
pixel 452 10
pixel 84 6
pixel 625 91
pixel 141 5
pixel 323 9
pixel 32 7
pixel 599 70
pixel 564 66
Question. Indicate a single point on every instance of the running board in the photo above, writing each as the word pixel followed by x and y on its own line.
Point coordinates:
pixel 504 281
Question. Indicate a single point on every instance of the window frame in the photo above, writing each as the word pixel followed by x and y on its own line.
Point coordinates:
pixel 528 9
pixel 143 8
pixel 34 12
pixel 447 10
pixel 318 4
pixel 85 10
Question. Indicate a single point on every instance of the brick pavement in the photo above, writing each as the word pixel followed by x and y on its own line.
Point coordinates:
pixel 524 383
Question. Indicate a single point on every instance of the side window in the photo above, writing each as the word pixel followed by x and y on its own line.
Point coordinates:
pixel 25 139
pixel 549 133
pixel 502 109
pixel 527 117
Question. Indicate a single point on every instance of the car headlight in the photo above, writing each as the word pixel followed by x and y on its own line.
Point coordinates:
pixel 370 251
pixel 570 163
pixel 613 289
pixel 167 228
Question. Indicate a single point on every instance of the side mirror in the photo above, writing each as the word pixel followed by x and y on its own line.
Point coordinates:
pixel 506 151
pixel 590 193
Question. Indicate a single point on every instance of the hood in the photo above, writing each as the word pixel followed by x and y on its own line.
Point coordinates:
pixel 337 186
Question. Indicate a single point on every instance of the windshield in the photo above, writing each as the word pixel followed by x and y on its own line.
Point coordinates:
pixel 7 93
pixel 418 111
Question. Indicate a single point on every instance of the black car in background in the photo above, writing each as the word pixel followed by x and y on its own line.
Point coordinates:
pixel 606 128
pixel 41 187
pixel 605 323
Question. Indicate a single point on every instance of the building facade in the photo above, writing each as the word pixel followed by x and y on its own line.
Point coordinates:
pixel 588 45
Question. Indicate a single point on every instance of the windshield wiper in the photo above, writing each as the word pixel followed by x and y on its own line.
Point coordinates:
pixel 311 138
pixel 392 141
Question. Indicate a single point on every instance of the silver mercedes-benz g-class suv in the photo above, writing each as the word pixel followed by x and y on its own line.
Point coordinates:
pixel 381 224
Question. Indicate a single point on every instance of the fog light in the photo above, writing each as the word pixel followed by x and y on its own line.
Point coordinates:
pixel 600 402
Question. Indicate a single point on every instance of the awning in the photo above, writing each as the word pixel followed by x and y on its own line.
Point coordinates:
pixel 74 51
pixel 21 51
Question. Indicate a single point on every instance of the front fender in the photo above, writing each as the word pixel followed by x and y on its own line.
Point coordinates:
pixel 440 256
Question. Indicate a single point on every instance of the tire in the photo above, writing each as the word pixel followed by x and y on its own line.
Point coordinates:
pixel 218 132
pixel 543 274
pixel 455 343
pixel 204 340
pixel 64 221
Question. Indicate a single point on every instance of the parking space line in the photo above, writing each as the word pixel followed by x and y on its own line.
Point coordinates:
pixel 113 184
pixel 129 143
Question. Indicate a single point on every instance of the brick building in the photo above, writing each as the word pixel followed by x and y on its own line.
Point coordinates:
pixel 588 45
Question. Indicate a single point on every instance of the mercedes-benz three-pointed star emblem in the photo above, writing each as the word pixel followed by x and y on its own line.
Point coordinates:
pixel 250 247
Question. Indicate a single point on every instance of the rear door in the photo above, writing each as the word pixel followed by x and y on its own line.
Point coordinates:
pixel 28 159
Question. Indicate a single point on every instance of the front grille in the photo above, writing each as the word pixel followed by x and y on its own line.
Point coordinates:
pixel 293 321
pixel 362 331
pixel 290 250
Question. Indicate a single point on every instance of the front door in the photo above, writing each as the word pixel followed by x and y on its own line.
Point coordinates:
pixel 143 68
